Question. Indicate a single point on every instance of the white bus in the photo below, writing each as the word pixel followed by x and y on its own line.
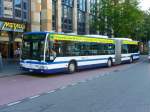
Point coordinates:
pixel 45 52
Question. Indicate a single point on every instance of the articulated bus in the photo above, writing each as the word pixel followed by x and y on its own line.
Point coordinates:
pixel 45 52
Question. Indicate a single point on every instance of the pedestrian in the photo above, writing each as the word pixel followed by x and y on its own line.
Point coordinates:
pixel 17 53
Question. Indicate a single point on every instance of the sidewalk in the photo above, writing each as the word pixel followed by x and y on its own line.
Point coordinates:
pixel 10 67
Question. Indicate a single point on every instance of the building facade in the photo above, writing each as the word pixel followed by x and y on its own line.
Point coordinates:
pixel 63 15
pixel 18 16
pixel 13 22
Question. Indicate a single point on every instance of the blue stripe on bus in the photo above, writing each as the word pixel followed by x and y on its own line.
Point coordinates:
pixel 131 55
pixel 63 61
pixel 47 63
pixel 49 71
pixel 92 66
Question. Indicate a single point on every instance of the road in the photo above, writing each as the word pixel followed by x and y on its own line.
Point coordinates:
pixel 123 88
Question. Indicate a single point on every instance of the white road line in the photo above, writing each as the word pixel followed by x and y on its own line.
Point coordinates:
pixel 14 103
pixel 73 84
pixel 52 91
pixel 63 87
pixel 32 97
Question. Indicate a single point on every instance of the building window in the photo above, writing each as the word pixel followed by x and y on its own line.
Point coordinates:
pixel 92 26
pixel 81 16
pixel 25 10
pixel 81 22
pixel 67 15
pixel 81 5
pixel 54 15
pixel 24 5
pixel 18 9
pixel 25 15
pixel 0 11
pixel 0 7
pixel 93 15
pixel 17 3
pixel 17 13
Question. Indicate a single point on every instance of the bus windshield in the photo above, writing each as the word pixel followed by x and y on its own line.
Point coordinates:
pixel 33 46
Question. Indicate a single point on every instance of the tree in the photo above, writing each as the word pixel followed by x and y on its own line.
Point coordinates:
pixel 120 18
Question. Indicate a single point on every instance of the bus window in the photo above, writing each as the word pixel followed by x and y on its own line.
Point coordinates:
pixel 133 48
pixel 124 49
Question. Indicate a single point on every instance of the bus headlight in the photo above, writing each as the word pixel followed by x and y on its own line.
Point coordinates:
pixel 43 67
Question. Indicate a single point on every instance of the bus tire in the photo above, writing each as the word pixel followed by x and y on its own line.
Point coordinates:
pixel 131 59
pixel 72 67
pixel 109 63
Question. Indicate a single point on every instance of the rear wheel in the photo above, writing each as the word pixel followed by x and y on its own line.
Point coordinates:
pixel 109 63
pixel 72 67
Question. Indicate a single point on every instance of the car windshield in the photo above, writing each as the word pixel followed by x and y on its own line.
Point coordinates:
pixel 33 47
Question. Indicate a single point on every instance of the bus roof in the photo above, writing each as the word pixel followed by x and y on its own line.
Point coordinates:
pixel 28 33
pixel 85 38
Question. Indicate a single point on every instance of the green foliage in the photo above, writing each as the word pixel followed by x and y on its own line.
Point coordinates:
pixel 122 18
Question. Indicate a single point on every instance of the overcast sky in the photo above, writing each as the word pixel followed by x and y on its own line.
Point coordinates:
pixel 145 4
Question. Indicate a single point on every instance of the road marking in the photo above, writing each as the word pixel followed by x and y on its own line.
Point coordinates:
pixel 14 103
pixel 63 87
pixel 52 91
pixel 73 84
pixel 32 97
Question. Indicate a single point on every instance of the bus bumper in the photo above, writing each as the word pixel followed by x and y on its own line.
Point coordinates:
pixel 43 71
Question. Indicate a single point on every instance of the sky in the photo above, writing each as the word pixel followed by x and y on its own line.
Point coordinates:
pixel 145 4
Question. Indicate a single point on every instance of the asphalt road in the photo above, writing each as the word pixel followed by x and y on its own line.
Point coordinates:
pixel 122 90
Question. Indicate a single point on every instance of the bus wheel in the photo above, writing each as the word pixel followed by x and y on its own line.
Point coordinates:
pixel 131 60
pixel 71 67
pixel 109 63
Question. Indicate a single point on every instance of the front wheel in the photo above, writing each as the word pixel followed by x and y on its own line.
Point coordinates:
pixel 72 67
pixel 109 63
